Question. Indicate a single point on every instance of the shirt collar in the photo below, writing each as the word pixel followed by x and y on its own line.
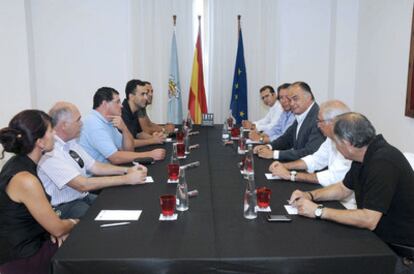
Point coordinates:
pixel 99 116
pixel 301 117
pixel 375 144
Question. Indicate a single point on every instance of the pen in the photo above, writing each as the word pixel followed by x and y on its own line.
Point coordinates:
pixel 115 224
pixel 296 199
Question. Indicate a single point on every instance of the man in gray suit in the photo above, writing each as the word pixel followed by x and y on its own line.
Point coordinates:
pixel 303 137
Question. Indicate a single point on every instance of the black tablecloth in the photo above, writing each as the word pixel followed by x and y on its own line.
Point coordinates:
pixel 213 236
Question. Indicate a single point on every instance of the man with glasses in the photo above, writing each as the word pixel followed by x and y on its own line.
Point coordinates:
pixel 269 98
pixel 65 171
pixel 104 134
pixel 382 180
pixel 327 165
pixel 303 137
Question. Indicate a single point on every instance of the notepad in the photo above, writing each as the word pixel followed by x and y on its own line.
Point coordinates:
pixel 250 141
pixel 291 210
pixel 149 179
pixel 269 176
pixel 118 215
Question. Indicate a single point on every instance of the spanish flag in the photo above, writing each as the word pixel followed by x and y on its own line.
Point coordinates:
pixel 197 98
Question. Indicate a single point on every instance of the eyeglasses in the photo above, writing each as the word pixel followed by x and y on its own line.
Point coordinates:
pixel 75 156
pixel 323 121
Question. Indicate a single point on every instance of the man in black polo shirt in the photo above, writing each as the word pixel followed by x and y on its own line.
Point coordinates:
pixel 136 100
pixel 382 179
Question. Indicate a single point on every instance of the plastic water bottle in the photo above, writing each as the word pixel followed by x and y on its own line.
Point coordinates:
pixel 187 140
pixel 182 192
pixel 249 161
pixel 225 133
pixel 250 201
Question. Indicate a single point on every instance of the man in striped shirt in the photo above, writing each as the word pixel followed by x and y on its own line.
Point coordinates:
pixel 65 171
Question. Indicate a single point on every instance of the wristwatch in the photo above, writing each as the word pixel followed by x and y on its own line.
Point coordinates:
pixel 293 174
pixel 319 211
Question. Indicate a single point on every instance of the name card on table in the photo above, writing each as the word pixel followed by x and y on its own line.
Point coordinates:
pixel 207 119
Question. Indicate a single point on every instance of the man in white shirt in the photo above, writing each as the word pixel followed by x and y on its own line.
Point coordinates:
pixel 65 171
pixel 270 99
pixel 326 156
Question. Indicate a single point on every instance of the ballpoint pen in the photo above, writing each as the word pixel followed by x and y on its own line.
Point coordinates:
pixel 115 224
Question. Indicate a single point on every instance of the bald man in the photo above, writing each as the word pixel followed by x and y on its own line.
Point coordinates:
pixel 327 165
pixel 65 171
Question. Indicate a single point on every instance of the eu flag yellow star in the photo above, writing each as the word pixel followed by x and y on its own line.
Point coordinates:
pixel 241 114
pixel 236 96
pixel 239 71
pixel 236 86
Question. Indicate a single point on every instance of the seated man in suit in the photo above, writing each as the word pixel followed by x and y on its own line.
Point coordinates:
pixel 65 170
pixel 303 137
pixel 286 119
pixel 382 180
pixel 104 134
pixel 136 96
pixel 326 156
pixel 145 122
pixel 270 99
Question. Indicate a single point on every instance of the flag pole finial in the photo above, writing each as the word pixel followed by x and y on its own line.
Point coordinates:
pixel 199 17
pixel 238 22
pixel 174 19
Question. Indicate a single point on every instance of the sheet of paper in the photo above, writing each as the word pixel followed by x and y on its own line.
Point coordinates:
pixel 249 141
pixel 118 215
pixel 149 179
pixel 269 176
pixel 291 210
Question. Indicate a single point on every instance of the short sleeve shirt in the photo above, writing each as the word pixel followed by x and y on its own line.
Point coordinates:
pixel 131 119
pixel 99 138
pixel 57 168
pixel 384 182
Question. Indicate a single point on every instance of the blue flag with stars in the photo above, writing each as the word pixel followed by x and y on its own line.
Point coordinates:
pixel 238 105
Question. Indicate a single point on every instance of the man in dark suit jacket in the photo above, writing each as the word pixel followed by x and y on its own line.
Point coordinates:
pixel 303 137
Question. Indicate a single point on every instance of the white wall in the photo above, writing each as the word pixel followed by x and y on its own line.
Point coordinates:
pixel 382 68
pixel 352 50
pixel 14 65
pixel 15 90
pixel 79 46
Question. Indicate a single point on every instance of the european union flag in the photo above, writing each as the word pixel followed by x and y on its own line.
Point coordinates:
pixel 238 105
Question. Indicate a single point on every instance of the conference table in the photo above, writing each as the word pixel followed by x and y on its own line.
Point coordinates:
pixel 213 236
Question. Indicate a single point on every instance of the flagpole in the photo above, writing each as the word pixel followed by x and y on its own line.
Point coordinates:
pixel 174 19
pixel 238 23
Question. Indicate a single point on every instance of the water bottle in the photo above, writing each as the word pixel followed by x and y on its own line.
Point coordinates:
pixel 250 201
pixel 182 192
pixel 189 122
pixel 225 133
pixel 249 161
pixel 187 140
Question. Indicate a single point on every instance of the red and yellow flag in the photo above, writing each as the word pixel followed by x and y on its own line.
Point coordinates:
pixel 197 98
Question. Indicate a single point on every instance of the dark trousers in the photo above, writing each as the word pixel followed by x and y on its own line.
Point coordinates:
pixel 404 266
pixel 39 263
pixel 75 209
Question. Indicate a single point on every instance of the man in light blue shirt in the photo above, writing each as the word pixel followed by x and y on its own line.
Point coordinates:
pixel 285 120
pixel 104 134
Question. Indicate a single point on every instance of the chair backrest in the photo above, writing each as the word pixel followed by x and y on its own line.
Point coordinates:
pixel 410 158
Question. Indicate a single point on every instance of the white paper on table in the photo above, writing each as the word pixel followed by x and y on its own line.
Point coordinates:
pixel 118 215
pixel 250 141
pixel 168 218
pixel 266 209
pixel 168 140
pixel 269 176
pixel 149 179
pixel 291 210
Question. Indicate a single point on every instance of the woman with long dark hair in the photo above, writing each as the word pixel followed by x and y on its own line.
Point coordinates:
pixel 30 231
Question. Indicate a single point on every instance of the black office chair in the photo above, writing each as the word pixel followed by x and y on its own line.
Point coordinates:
pixel 404 251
